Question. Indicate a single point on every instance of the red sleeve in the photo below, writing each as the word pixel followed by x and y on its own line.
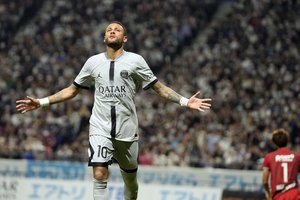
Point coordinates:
pixel 266 161
pixel 298 162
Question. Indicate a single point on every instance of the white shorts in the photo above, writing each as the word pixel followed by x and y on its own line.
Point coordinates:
pixel 103 150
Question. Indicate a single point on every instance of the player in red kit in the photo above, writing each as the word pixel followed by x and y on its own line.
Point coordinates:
pixel 283 167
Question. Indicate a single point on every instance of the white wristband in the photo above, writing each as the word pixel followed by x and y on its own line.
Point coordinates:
pixel 44 102
pixel 184 101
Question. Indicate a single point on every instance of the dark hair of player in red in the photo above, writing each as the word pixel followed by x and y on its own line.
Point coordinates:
pixel 280 137
pixel 118 22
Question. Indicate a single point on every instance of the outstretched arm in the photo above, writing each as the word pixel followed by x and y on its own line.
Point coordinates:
pixel 171 95
pixel 31 103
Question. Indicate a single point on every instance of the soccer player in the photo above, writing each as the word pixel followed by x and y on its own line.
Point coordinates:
pixel 117 75
pixel 282 165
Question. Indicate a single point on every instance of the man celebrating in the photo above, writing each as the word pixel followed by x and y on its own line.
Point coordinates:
pixel 283 166
pixel 117 75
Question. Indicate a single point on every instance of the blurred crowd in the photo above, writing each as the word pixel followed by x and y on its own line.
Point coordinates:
pixel 14 13
pixel 248 64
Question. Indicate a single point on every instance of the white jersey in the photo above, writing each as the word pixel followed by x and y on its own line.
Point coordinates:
pixel 116 84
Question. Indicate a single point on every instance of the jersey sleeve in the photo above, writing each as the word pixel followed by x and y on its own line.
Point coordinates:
pixel 84 78
pixel 145 74
pixel 266 162
pixel 298 155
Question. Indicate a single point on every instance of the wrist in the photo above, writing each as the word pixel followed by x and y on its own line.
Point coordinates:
pixel 183 101
pixel 44 102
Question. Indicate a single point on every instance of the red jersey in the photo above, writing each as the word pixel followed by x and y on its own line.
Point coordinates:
pixel 284 166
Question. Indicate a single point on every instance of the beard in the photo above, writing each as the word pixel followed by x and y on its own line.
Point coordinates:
pixel 116 44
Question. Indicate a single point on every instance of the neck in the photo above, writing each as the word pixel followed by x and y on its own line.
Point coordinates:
pixel 113 53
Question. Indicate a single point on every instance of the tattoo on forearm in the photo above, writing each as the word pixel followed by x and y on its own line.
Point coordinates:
pixel 63 95
pixel 169 94
pixel 173 96
pixel 166 92
pixel 56 98
pixel 60 96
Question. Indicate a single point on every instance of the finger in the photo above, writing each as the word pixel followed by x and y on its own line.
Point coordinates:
pixel 21 101
pixel 206 104
pixel 24 111
pixel 201 110
pixel 31 98
pixel 205 107
pixel 196 94
pixel 21 108
pixel 207 99
pixel 202 106
pixel 18 106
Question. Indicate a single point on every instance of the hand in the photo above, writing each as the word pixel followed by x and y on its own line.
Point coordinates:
pixel 28 104
pixel 268 196
pixel 199 104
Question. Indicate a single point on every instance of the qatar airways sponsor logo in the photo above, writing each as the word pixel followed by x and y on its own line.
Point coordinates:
pixel 284 158
pixel 112 91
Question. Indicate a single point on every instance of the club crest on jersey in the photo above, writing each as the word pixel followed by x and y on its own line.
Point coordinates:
pixel 124 74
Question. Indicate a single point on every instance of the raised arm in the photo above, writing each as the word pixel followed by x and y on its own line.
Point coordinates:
pixel 171 95
pixel 31 103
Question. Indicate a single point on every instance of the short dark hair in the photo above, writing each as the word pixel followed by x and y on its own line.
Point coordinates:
pixel 120 23
pixel 280 137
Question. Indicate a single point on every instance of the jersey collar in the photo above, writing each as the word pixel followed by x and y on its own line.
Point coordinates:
pixel 116 57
